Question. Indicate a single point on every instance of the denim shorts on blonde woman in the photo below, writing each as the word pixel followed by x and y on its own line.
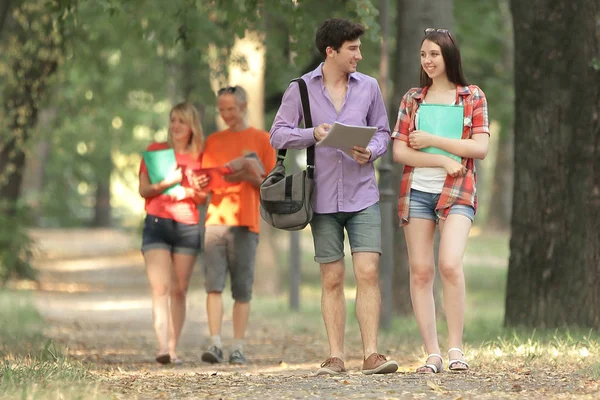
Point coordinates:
pixel 168 234
pixel 363 227
pixel 422 205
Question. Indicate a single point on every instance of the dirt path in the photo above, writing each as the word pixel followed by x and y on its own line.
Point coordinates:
pixel 99 307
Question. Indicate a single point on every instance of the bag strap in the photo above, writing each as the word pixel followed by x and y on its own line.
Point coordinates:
pixel 310 151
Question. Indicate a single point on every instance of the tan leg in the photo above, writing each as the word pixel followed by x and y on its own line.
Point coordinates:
pixel 368 298
pixel 183 265
pixel 214 310
pixel 419 234
pixel 158 268
pixel 333 306
pixel 453 241
pixel 241 314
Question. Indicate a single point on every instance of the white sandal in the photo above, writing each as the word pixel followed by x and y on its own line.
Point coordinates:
pixel 432 367
pixel 451 363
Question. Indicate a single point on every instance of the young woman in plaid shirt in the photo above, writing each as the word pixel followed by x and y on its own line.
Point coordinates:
pixel 438 189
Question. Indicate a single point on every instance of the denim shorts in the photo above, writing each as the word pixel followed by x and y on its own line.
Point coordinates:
pixel 422 205
pixel 363 227
pixel 230 249
pixel 168 234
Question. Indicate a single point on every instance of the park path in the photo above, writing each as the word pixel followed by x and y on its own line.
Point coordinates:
pixel 95 298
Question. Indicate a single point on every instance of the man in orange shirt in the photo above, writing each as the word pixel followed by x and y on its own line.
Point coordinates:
pixel 233 220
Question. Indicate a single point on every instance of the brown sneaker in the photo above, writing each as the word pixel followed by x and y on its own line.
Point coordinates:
pixel 378 364
pixel 331 366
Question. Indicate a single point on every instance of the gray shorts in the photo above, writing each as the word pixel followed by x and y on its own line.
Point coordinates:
pixel 363 227
pixel 230 249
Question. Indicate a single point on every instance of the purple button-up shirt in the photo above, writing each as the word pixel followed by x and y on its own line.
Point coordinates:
pixel 341 184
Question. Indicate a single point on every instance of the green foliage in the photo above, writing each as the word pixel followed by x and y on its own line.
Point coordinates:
pixel 110 89
pixel 16 248
pixel 126 63
pixel 20 326
pixel 30 52
pixel 484 31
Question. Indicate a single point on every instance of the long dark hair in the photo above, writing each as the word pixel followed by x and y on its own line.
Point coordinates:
pixel 451 55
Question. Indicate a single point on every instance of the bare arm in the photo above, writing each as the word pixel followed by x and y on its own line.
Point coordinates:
pixel 148 189
pixel 245 175
pixel 414 158
pixel 476 147
pixel 407 156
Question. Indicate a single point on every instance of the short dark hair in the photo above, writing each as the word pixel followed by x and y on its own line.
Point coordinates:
pixel 334 32
pixel 451 55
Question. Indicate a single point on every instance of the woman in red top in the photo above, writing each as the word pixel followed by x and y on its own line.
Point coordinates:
pixel 172 238
pixel 439 188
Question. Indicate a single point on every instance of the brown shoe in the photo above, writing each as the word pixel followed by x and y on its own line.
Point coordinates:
pixel 378 364
pixel 331 366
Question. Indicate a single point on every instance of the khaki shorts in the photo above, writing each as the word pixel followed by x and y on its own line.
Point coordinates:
pixel 230 250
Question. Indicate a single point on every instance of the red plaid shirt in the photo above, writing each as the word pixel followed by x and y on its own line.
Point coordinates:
pixel 459 190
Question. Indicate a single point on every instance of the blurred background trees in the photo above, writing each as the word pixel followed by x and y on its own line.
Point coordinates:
pixel 86 85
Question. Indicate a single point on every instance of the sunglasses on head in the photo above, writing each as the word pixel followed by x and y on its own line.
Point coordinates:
pixel 431 30
pixel 228 89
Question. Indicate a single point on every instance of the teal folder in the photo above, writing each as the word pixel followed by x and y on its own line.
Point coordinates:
pixel 160 163
pixel 441 120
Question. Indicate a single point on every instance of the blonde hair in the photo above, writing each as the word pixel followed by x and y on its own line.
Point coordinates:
pixel 191 116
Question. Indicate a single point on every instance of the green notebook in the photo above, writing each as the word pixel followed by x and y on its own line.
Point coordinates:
pixel 160 163
pixel 441 120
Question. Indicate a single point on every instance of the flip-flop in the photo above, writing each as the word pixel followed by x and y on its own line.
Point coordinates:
pixel 163 358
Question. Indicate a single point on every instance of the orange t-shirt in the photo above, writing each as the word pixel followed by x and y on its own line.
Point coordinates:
pixel 236 205
pixel 163 205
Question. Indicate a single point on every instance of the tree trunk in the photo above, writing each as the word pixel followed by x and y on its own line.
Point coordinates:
pixel 34 178
pixel 554 267
pixel 500 204
pixel 12 164
pixel 412 18
pixel 30 69
pixel 500 200
pixel 387 201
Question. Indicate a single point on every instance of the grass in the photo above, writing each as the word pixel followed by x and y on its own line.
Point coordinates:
pixel 31 366
pixel 486 340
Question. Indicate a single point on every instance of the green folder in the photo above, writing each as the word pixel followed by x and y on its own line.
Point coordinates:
pixel 441 120
pixel 160 163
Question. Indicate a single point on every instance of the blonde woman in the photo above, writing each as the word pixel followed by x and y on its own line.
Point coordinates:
pixel 171 237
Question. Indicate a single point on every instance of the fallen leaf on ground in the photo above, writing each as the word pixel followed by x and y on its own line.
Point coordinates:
pixel 436 388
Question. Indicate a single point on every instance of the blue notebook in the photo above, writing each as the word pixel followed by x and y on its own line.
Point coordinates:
pixel 441 120
pixel 160 163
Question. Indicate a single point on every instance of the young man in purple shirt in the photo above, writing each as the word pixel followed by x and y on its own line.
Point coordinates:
pixel 346 193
